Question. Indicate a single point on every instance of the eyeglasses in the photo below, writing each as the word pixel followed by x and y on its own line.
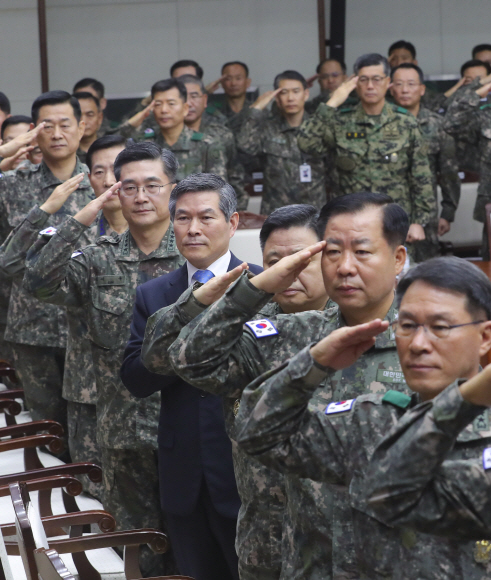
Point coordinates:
pixel 407 329
pixel 411 85
pixel 131 190
pixel 375 80
pixel 327 76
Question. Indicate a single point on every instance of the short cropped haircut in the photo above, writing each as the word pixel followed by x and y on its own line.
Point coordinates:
pixel 402 44
pixel 238 63
pixel 479 48
pixel 184 63
pixel 299 215
pixel 409 65
pixel 168 84
pixel 4 103
pixel 89 82
pixel 472 63
pixel 55 98
pixel 106 142
pixel 453 274
pixel 147 151
pixel 395 221
pixel 341 63
pixel 191 79
pixel 15 120
pixel 198 182
pixel 289 75
pixel 371 59
pixel 88 96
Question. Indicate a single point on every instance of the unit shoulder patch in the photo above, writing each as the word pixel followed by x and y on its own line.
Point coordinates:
pixel 339 407
pixel 51 231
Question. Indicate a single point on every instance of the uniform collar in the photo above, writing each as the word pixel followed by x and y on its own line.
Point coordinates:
pixel 182 144
pixel 128 251
pixel 361 117
pixel 284 126
pixel 423 115
pixel 48 179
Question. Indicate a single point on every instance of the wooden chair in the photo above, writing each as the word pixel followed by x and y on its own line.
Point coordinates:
pixel 31 536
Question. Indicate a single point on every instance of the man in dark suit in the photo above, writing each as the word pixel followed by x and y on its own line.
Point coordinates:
pixel 198 490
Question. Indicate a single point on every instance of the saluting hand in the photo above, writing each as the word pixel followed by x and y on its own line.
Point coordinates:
pixel 212 87
pixel 282 275
pixel 263 101
pixel 344 346
pixel 138 119
pixel 88 214
pixel 216 287
pixel 478 389
pixel 61 193
pixel 342 92
pixel 12 147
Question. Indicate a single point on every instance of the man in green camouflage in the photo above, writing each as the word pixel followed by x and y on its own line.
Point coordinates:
pixel 377 146
pixel 277 424
pixel 290 176
pixel 211 124
pixel 102 279
pixel 359 267
pixel 92 116
pixel 408 89
pixel 331 74
pixel 196 152
pixel 469 118
pixel 38 331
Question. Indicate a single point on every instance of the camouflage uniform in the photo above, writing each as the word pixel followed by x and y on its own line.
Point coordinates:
pixel 276 140
pixel 335 445
pixel 384 153
pixel 418 477
pixel 102 279
pixel 444 171
pixel 37 331
pixel 232 355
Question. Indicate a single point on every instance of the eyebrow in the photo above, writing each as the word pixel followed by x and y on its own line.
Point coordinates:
pixel 48 120
pixel 433 316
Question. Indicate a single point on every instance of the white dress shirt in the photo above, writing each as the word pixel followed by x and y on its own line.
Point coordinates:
pixel 218 267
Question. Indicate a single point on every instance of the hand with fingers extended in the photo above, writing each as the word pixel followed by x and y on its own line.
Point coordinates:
pixel 61 193
pixel 455 87
pixel 23 140
pixel 263 101
pixel 216 287
pixel 138 119
pixel 212 87
pixel 485 87
pixel 88 214
pixel 281 276
pixel 342 347
pixel 310 81
pixel 342 92
pixel 477 390
pixel 11 162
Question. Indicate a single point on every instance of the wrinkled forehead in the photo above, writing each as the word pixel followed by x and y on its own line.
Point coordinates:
pixel 140 171
pixel 366 223
pixel 198 201
pixel 426 300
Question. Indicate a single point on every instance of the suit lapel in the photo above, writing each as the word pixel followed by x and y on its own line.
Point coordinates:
pixel 178 284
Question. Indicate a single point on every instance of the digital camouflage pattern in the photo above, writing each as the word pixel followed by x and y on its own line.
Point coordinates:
pixel 102 279
pixel 231 355
pixel 386 154
pixel 444 172
pixel 469 119
pixel 276 140
pixel 278 426
pixel 130 477
pixel 418 475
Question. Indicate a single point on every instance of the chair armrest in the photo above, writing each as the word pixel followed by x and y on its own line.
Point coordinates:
pixel 11 393
pixel 70 484
pixel 156 541
pixel 10 406
pixel 52 442
pixel 93 472
pixel 32 428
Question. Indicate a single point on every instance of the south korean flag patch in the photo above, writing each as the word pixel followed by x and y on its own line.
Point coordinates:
pixel 339 407
pixel 75 254
pixel 262 328
pixel 486 458
pixel 51 231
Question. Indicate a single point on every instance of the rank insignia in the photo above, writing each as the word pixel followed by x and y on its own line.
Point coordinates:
pixel 262 328
pixel 482 552
pixel 236 407
pixel 356 135
pixel 390 132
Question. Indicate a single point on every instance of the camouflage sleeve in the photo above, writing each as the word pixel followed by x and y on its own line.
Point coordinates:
pixel 54 272
pixel 236 173
pixel 250 136
pixel 277 427
pixel 14 250
pixel 213 352
pixel 448 176
pixel 461 119
pixel 406 484
pixel 216 159
pixel 128 131
pixel 420 183
pixel 316 136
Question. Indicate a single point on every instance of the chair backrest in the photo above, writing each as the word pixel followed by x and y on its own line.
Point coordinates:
pixel 30 530
pixel 50 566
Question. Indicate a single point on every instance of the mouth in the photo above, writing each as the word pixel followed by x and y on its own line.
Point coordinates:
pixel 290 292
pixel 346 290
pixel 420 368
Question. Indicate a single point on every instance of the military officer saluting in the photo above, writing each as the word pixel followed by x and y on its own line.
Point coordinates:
pixel 377 146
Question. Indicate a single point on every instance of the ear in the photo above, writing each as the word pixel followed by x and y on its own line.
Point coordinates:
pixel 486 338
pixel 31 126
pixel 103 103
pixel 415 61
pixel 186 108
pixel 423 89
pixel 307 94
pixel 81 129
pixel 248 83
pixel 205 98
pixel 234 222
pixel 400 259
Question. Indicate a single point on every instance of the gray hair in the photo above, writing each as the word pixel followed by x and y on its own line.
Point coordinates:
pixel 147 150
pixel 191 79
pixel 371 59
pixel 197 182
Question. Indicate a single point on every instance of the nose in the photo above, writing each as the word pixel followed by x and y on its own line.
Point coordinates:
pixel 56 132
pixel 420 341
pixel 346 264
pixel 194 227
pixel 141 196
pixel 109 178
